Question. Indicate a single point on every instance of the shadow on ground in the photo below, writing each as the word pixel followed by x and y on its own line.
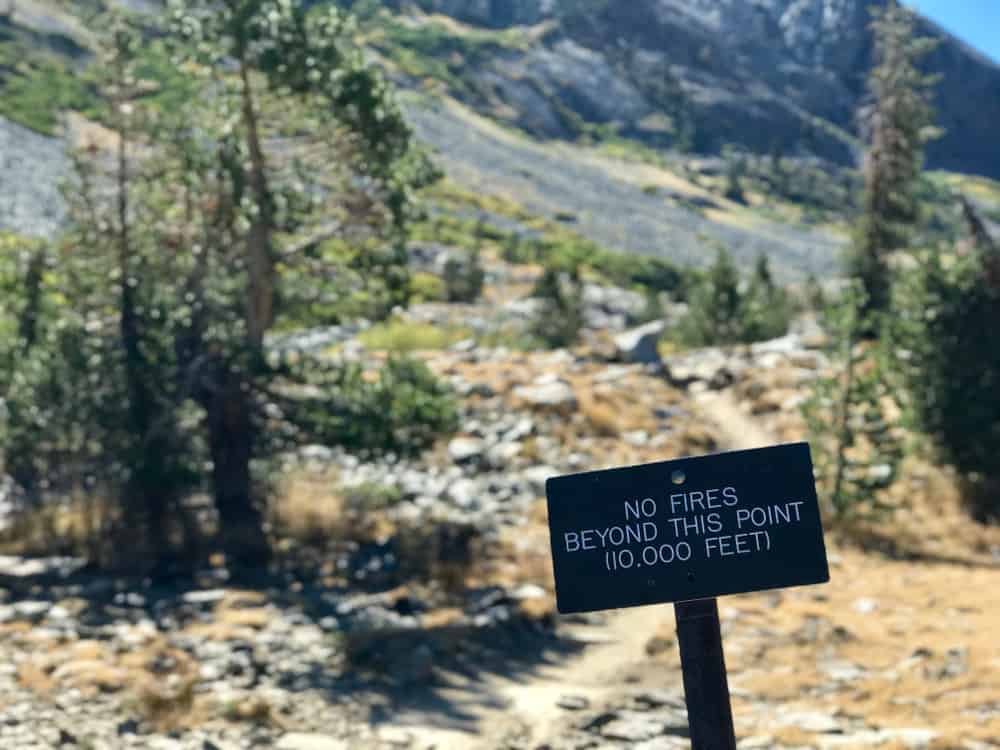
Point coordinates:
pixel 394 654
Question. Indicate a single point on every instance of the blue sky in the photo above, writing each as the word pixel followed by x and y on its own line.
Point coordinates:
pixel 975 21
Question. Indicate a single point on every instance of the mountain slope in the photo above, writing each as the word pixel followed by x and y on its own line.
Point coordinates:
pixel 624 205
pixel 783 76
pixel 657 84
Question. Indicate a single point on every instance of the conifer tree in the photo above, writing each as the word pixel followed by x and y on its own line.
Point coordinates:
pixel 947 330
pixel 714 307
pixel 724 310
pixel 856 448
pixel 560 318
pixel 899 122
pixel 283 174
pixel 300 95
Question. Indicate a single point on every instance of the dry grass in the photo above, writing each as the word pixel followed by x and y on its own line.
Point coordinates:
pixel 308 509
pixel 170 703
pixel 912 612
pixel 312 508
pixel 78 527
pixel 602 416
pixel 158 681
pixel 921 631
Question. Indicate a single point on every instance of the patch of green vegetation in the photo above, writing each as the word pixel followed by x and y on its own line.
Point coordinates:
pixel 508 337
pixel 447 230
pixel 162 84
pixel 795 192
pixel 404 336
pixel 369 497
pixel 544 242
pixel 35 88
pixel 984 191
pixel 403 410
pixel 426 287
pixel 447 194
pixel 627 149
pixel 723 310
pixel 440 51
pixel 561 248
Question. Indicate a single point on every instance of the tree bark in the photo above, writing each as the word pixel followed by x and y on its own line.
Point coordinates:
pixel 28 324
pixel 232 433
pixel 260 257
pixel 231 440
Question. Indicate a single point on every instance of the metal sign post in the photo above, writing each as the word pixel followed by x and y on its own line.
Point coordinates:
pixel 706 689
pixel 687 531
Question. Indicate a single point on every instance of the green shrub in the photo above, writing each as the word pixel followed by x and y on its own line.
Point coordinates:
pixel 947 326
pixel 400 336
pixel 370 496
pixel 814 297
pixel 560 319
pixel 722 310
pixel 39 90
pixel 464 278
pixel 767 309
pixel 426 287
pixel 403 411
pixel 856 449
pixel 735 171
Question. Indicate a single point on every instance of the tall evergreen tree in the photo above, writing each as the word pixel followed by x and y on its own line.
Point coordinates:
pixel 856 448
pixel 947 323
pixel 282 173
pixel 300 95
pixel 899 122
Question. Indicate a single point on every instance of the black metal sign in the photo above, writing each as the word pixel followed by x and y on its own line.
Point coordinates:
pixel 687 529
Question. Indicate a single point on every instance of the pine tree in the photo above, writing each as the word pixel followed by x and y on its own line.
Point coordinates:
pixel 714 306
pixel 899 123
pixel 724 310
pixel 814 296
pixel 735 172
pixel 212 225
pixel 560 318
pixel 766 307
pixel 856 448
pixel 947 329
pixel 296 75
pixel 100 333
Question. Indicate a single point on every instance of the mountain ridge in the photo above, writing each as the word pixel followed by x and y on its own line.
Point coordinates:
pixel 765 75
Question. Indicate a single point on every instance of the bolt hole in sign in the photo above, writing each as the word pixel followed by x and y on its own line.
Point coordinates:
pixel 692 528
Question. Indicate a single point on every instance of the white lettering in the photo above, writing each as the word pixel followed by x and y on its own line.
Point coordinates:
pixel 631 509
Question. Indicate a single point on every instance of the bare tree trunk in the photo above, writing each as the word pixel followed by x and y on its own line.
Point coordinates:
pixel 843 428
pixel 984 242
pixel 232 434
pixel 259 259
pixel 27 327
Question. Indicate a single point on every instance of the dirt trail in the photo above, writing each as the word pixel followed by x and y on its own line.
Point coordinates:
pixel 732 426
pixel 498 708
